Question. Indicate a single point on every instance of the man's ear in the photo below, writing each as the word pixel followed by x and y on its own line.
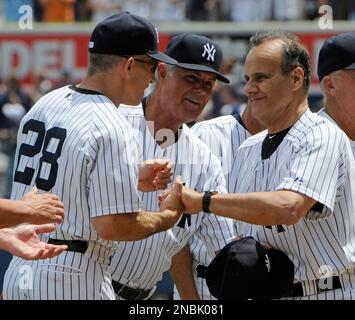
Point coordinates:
pixel 128 65
pixel 329 85
pixel 297 77
pixel 162 70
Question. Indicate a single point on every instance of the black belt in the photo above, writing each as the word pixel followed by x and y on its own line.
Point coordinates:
pixel 129 293
pixel 201 271
pixel 73 245
pixel 298 289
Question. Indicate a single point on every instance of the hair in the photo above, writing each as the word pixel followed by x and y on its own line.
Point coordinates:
pixel 294 53
pixel 171 69
pixel 102 63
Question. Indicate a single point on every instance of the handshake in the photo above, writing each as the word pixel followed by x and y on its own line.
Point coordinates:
pixel 156 174
pixel 181 197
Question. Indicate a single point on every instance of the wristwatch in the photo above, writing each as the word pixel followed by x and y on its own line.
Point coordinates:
pixel 206 200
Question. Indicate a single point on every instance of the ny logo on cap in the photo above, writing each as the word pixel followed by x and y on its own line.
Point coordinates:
pixel 210 51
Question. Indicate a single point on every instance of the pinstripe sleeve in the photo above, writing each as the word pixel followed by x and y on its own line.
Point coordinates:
pixel 114 175
pixel 316 168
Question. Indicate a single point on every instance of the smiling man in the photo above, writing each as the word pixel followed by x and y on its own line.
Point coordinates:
pixel 295 190
pixel 75 143
pixel 180 95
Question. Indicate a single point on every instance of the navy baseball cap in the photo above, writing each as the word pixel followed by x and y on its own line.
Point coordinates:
pixel 337 53
pixel 127 34
pixel 196 52
pixel 244 269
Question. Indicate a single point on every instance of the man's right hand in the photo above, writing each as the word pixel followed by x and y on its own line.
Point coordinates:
pixel 172 202
pixel 190 199
pixel 43 208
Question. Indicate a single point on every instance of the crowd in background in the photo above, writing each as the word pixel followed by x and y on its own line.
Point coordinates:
pixel 15 100
pixel 179 10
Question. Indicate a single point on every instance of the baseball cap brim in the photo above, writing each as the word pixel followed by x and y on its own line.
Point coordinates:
pixel 351 67
pixel 199 67
pixel 162 57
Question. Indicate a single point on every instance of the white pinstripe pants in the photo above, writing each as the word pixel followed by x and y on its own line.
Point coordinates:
pixel 70 276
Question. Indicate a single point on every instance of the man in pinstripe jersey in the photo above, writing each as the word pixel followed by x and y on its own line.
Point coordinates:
pixel 336 72
pixel 223 135
pixel 180 95
pixel 75 142
pixel 296 182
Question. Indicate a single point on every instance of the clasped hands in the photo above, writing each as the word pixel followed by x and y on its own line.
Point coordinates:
pixel 156 175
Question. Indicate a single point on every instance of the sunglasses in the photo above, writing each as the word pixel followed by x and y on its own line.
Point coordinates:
pixel 153 63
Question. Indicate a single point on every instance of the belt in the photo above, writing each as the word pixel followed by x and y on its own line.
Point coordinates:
pixel 201 271
pixel 73 245
pixel 298 288
pixel 129 293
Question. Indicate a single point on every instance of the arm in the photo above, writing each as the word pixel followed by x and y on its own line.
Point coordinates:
pixel 23 242
pixel 262 208
pixel 181 272
pixel 32 208
pixel 135 225
pixel 139 225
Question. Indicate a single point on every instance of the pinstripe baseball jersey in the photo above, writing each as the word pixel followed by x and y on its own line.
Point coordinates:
pixel 223 135
pixel 314 158
pixel 76 144
pixel 140 264
pixel 323 114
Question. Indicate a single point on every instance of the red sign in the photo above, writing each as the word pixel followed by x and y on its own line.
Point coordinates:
pixel 25 55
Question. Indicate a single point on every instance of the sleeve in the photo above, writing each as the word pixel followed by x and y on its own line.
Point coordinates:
pixel 113 182
pixel 315 169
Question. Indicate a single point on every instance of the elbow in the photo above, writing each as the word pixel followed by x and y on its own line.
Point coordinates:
pixel 105 232
pixel 116 234
pixel 293 206
pixel 293 217
pixel 121 227
pixel 293 214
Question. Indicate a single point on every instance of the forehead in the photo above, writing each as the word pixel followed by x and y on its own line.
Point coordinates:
pixel 264 57
pixel 200 74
